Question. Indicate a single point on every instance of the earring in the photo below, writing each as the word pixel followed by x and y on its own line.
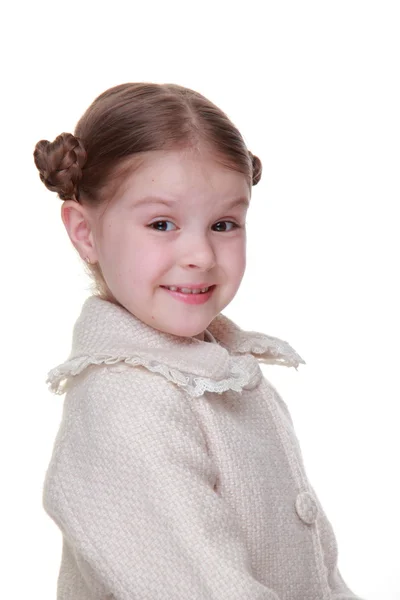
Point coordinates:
pixel 87 259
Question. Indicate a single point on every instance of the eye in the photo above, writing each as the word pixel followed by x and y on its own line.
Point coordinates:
pixel 159 225
pixel 234 225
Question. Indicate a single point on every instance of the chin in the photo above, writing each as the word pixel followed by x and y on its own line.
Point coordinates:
pixel 187 330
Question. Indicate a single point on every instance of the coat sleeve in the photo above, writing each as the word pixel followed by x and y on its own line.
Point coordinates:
pixel 339 588
pixel 132 487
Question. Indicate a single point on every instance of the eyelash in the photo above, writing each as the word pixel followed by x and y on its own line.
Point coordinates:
pixel 235 225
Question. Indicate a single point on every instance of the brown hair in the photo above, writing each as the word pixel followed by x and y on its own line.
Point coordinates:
pixel 124 121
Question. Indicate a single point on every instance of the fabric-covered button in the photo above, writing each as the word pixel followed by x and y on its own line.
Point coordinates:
pixel 306 508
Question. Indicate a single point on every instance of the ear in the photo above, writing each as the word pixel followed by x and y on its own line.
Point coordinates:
pixel 79 224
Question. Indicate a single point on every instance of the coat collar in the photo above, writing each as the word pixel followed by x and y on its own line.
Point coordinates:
pixel 106 333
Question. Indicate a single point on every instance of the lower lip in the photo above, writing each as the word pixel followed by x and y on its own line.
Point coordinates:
pixel 191 298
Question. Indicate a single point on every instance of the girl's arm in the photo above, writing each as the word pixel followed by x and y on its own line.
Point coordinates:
pixel 340 590
pixel 131 486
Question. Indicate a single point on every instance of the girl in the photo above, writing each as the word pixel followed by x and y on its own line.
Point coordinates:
pixel 176 472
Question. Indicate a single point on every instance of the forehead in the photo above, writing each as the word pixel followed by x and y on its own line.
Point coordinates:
pixel 182 175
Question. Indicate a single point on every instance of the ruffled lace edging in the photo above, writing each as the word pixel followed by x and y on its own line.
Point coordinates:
pixel 57 378
pixel 272 351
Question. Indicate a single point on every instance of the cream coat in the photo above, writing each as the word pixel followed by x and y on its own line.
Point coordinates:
pixel 176 473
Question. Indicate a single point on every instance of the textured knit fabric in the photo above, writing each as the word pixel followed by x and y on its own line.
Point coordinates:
pixel 176 473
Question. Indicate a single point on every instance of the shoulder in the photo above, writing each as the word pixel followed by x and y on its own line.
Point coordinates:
pixel 111 386
pixel 113 417
pixel 121 399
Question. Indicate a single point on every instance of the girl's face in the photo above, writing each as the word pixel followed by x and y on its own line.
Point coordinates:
pixel 179 221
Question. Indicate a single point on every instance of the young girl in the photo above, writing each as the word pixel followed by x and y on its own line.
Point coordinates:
pixel 176 473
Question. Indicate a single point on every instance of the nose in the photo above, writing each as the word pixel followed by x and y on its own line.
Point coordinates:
pixel 198 252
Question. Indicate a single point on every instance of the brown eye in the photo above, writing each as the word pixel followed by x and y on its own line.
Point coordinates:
pixel 160 225
pixel 224 228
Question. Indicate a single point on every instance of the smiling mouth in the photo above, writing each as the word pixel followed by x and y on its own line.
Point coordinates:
pixel 184 290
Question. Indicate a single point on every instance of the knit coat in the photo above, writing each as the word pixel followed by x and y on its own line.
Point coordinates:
pixel 176 473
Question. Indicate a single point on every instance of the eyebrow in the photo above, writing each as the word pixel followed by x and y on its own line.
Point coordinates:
pixel 242 201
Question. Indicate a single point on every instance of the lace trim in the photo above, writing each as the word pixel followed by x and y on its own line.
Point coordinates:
pixel 58 377
pixel 281 353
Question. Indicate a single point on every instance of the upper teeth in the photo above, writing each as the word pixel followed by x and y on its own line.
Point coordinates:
pixel 173 288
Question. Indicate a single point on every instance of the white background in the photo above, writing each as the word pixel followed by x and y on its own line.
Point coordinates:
pixel 314 89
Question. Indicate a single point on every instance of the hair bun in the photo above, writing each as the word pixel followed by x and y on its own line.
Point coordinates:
pixel 257 168
pixel 60 164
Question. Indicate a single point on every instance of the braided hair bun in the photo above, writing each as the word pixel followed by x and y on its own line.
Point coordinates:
pixel 257 168
pixel 60 164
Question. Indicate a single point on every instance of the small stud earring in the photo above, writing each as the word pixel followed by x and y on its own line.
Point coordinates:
pixel 87 259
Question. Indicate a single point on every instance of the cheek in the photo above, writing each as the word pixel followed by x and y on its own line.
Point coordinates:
pixel 241 266
pixel 144 260
pixel 234 257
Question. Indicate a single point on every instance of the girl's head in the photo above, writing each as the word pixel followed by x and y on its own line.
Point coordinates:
pixel 156 182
